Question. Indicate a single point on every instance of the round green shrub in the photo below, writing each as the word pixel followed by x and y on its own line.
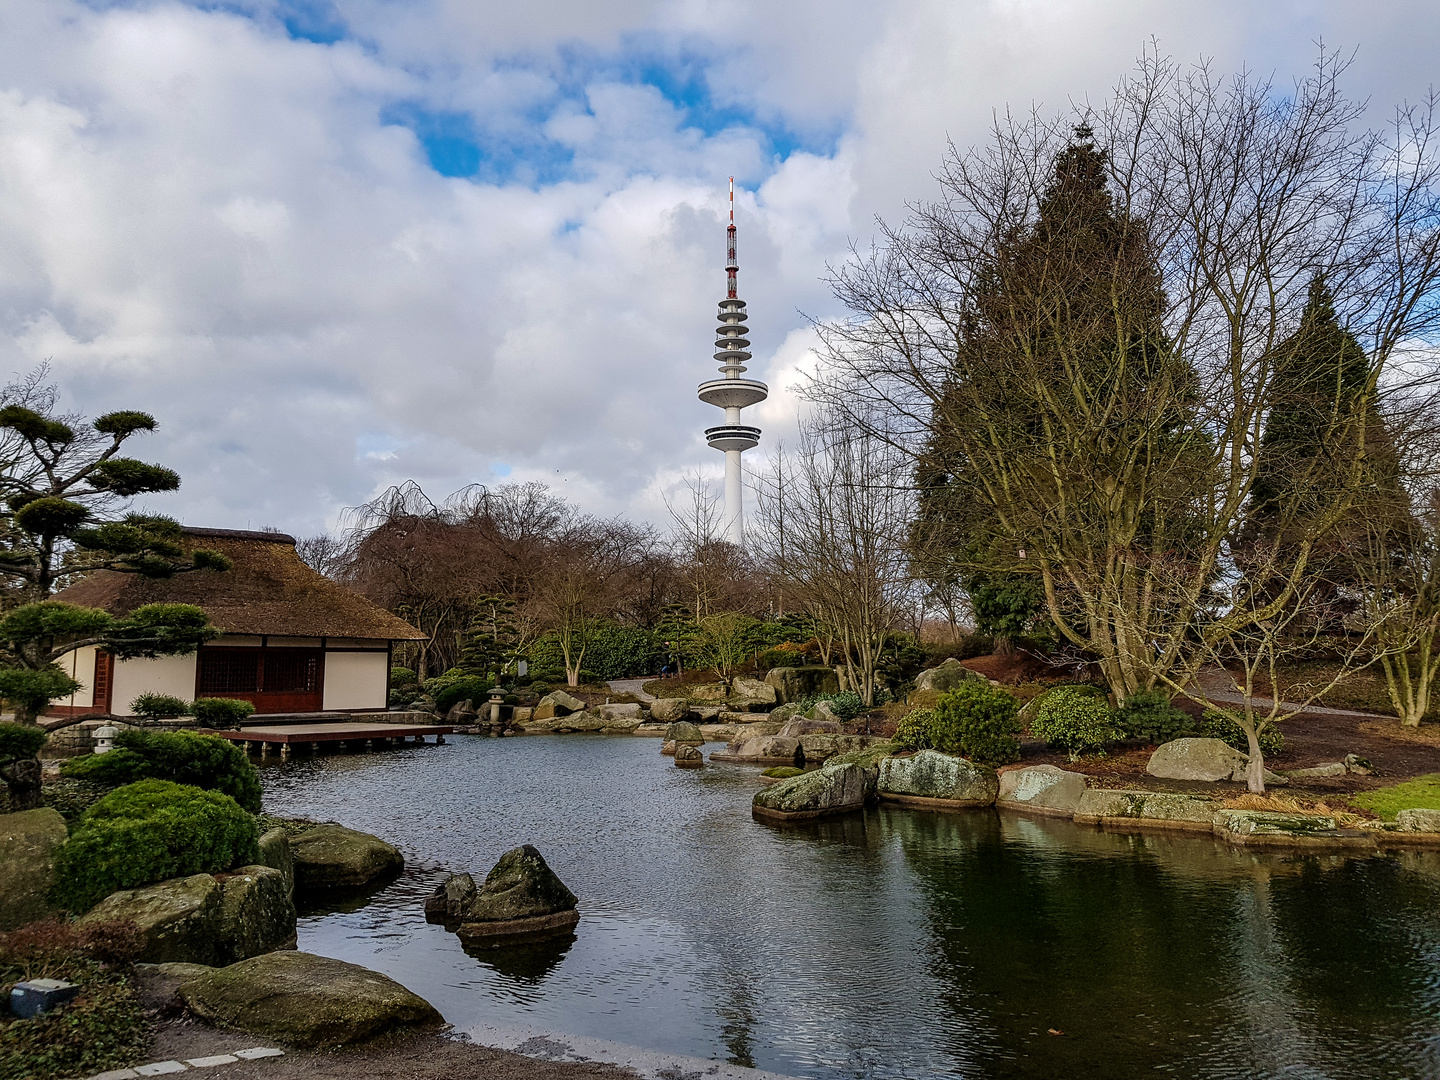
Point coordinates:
pixel 979 721
pixel 159 706
pixel 403 677
pixel 222 712
pixel 1149 715
pixel 184 757
pixel 472 688
pixel 19 741
pixel 147 832
pixel 1075 719
pixel 915 729
pixel 1214 724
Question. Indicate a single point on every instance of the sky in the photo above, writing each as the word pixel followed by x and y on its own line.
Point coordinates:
pixel 334 245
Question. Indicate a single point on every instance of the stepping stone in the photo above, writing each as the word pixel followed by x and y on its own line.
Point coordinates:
pixel 256 1052
pixel 161 1068
pixel 116 1074
pixel 212 1061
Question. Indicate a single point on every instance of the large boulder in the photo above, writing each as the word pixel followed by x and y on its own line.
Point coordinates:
pixel 1197 759
pixel 306 1000
pixel 257 914
pixel 822 745
pixel 793 729
pixel 794 683
pixel 829 790
pixel 328 856
pixel 668 710
pixel 1042 788
pixel 684 732
pixel 275 853
pixel 462 712
pixel 555 704
pixel 1418 820
pixel 620 711
pixel 28 843
pixel 753 692
pixel 928 777
pixel 179 919
pixel 947 676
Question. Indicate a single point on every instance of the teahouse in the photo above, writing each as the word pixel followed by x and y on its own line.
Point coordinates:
pixel 294 641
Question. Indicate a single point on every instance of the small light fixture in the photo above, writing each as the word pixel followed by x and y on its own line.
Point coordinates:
pixel 104 737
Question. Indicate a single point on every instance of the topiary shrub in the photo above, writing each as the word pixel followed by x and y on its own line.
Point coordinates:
pixel 222 712
pixel 1075 719
pixel 979 721
pixel 472 688
pixel 1149 715
pixel 159 707
pixel 915 730
pixel 1214 724
pixel 147 832
pixel 184 757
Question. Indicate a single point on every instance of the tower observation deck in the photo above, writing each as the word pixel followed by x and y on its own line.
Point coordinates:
pixel 732 392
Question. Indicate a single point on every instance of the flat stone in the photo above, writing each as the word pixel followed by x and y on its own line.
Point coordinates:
pixel 935 777
pixel 1041 787
pixel 1152 807
pixel 28 843
pixel 505 931
pixel 255 1053
pixel 161 1068
pixel 1196 759
pixel 116 1074
pixel 1271 823
pixel 1418 820
pixel 304 999
pixel 1334 768
pixel 211 1061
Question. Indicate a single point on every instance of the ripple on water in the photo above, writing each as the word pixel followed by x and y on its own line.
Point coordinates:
pixel 888 944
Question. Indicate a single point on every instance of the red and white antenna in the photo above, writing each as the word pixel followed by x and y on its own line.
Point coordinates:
pixel 731 266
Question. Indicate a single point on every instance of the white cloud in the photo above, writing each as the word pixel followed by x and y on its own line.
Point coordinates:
pixel 202 216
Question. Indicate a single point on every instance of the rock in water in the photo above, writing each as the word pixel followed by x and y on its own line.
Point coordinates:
pixel 28 843
pixel 307 1000
pixel 928 776
pixel 257 914
pixel 557 704
pixel 448 900
pixel 684 732
pixel 521 898
pixel 831 789
pixel 331 855
pixel 1197 759
pixel 688 757
pixel 275 852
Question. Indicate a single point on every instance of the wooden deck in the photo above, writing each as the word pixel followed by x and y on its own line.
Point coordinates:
pixel 286 736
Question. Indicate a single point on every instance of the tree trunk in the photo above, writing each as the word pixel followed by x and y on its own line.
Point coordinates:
pixel 26 713
pixel 1004 645
pixel 23 780
pixel 1255 771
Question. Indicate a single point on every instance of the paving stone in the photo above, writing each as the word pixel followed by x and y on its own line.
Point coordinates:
pixel 161 1068
pixel 212 1061
pixel 116 1074
pixel 258 1052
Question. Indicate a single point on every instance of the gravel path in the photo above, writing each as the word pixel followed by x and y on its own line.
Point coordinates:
pixel 631 686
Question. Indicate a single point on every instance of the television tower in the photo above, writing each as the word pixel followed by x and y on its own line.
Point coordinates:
pixel 730 392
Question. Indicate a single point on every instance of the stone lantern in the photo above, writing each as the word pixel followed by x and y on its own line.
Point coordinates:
pixel 497 698
pixel 104 737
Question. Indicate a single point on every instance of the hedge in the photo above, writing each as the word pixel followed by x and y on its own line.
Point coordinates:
pixel 184 757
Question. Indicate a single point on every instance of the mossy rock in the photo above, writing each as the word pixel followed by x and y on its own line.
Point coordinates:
pixel 306 1000
pixel 782 772
pixel 330 856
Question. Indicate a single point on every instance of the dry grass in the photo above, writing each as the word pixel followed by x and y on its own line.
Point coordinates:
pixel 1345 816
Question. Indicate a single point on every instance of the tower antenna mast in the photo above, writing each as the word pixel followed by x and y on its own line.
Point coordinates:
pixel 731 392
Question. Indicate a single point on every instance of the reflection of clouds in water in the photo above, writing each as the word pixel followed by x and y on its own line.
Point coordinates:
pixel 888 944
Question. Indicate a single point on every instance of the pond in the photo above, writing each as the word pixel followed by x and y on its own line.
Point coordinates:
pixel 892 943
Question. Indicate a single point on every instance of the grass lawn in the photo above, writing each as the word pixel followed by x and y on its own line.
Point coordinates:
pixel 1422 792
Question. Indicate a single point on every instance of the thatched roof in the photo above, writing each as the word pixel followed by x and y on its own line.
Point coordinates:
pixel 269 590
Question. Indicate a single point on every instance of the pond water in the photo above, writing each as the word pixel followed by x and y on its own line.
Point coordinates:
pixel 890 944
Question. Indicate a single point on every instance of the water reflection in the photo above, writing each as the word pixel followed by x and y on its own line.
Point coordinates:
pixel 526 962
pixel 889 944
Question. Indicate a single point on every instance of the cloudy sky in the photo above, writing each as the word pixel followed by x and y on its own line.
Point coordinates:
pixel 338 244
